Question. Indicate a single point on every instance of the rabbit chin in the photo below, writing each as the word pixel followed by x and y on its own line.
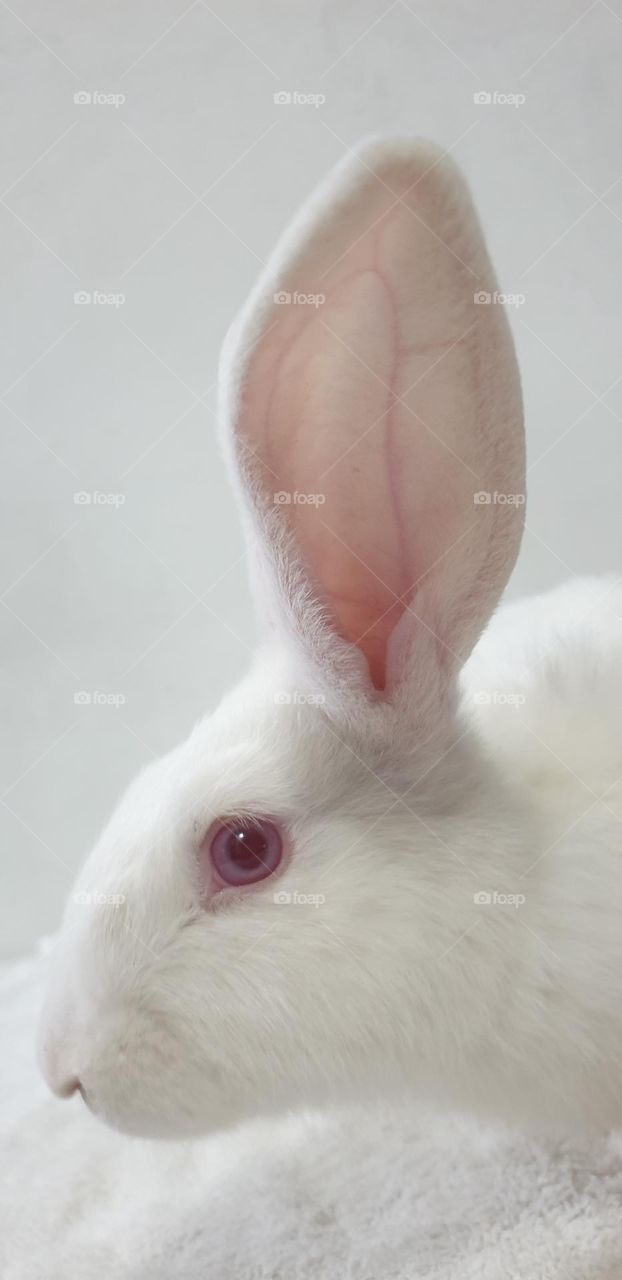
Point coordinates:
pixel 148 1119
pixel 162 1098
pixel 161 1117
pixel 151 1111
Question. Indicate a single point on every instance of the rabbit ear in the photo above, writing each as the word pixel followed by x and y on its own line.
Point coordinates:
pixel 373 413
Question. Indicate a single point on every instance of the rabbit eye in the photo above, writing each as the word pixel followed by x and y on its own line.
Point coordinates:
pixel 245 851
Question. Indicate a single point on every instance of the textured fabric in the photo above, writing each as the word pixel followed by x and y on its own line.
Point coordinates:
pixel 374 1195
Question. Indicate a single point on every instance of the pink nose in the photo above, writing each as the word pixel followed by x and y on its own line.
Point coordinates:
pixel 65 1088
pixel 57 1072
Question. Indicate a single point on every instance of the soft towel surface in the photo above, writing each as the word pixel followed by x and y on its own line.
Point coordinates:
pixel 361 1196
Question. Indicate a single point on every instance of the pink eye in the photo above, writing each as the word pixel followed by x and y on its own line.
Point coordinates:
pixel 245 851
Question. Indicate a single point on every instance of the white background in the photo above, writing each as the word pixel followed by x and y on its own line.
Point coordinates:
pixel 174 199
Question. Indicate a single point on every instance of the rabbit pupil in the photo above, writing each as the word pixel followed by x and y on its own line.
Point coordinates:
pixel 246 848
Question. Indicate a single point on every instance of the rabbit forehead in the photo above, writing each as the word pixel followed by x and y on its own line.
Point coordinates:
pixel 273 745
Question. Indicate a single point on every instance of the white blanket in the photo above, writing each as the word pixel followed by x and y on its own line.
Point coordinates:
pixel 360 1196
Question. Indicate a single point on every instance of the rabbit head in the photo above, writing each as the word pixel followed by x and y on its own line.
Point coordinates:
pixel 263 921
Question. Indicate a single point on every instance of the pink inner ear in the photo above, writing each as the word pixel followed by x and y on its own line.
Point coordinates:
pixel 366 410
pixel 332 434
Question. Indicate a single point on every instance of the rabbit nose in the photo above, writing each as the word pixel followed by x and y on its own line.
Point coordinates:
pixel 58 1070
pixel 62 1081
pixel 65 1088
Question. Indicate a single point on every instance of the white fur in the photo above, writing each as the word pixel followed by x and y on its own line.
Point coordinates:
pixel 382 972
pixel 389 1193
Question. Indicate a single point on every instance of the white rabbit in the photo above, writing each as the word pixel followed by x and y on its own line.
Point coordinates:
pixel 368 872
